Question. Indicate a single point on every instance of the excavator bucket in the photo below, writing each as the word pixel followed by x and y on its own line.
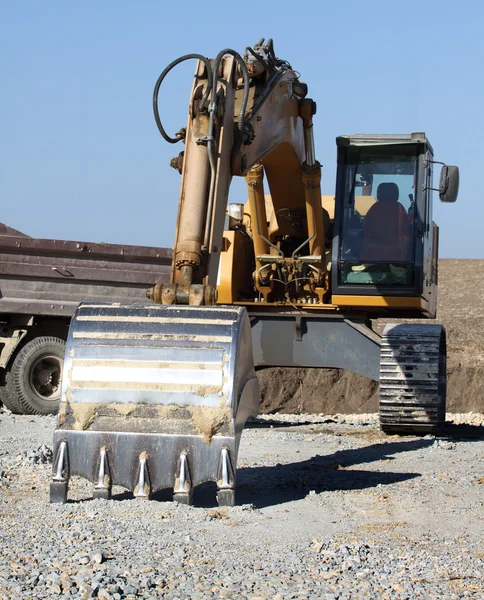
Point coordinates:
pixel 154 397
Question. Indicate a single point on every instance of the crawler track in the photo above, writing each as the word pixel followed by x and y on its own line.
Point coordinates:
pixel 413 379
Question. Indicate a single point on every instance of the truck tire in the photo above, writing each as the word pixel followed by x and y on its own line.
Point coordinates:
pixel 11 403
pixel 36 374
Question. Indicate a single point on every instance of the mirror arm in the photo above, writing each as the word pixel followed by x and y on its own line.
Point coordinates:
pixel 449 181
pixel 434 162
pixel 426 163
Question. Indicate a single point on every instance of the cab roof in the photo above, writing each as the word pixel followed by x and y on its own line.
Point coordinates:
pixel 383 139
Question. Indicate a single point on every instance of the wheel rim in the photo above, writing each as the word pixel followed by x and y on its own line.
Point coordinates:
pixel 45 377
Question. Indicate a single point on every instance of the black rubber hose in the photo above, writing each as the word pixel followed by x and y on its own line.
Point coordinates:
pixel 210 137
pixel 160 81
pixel 245 75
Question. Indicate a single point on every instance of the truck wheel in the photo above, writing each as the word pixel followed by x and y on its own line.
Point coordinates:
pixel 11 403
pixel 36 374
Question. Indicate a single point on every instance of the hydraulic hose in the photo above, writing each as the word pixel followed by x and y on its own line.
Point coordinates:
pixel 210 138
pixel 245 75
pixel 212 81
pixel 160 81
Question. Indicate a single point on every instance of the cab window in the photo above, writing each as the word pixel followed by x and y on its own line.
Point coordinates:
pixel 377 235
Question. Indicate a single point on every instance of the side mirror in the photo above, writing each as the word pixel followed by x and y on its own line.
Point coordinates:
pixel 449 183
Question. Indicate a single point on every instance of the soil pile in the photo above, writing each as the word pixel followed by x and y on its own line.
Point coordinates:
pixel 461 291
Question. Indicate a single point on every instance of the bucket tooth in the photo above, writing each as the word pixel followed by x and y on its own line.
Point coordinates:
pixel 226 480
pixel 183 490
pixel 142 491
pixel 225 497
pixel 60 480
pixel 102 488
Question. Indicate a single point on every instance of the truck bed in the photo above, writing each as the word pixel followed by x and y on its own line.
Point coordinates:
pixel 51 277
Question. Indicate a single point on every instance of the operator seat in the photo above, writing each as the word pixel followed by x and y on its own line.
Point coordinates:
pixel 385 228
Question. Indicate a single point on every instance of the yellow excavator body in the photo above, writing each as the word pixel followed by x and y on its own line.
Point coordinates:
pixel 156 395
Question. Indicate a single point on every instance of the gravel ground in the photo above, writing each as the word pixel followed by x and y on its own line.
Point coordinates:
pixel 328 507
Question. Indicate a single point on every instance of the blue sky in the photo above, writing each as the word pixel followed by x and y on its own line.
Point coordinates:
pixel 80 155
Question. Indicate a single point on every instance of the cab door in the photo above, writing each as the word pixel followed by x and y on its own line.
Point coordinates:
pixel 428 232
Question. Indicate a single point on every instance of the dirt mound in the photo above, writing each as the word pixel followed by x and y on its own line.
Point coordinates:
pixel 309 391
pixel 461 290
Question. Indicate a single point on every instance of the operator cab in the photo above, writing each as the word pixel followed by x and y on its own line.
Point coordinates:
pixel 385 243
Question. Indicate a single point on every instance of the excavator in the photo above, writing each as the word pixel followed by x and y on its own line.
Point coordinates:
pixel 156 395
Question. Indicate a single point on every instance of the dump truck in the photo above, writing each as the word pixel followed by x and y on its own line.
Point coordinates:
pixel 156 395
pixel 41 283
